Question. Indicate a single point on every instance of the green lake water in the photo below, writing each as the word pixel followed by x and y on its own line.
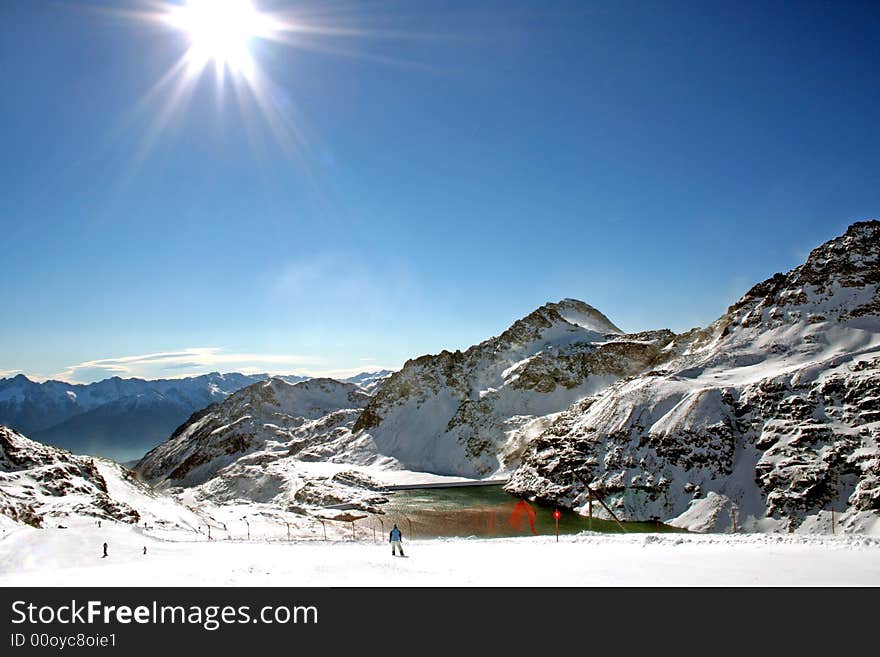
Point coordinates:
pixel 488 511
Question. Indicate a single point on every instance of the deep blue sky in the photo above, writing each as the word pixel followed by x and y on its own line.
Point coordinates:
pixel 458 164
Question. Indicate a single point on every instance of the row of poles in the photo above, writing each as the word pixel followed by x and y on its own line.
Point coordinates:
pixel 323 521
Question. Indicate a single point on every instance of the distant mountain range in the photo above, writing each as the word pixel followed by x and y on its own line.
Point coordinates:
pixel 119 418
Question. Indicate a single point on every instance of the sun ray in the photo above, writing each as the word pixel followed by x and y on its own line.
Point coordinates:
pixel 221 38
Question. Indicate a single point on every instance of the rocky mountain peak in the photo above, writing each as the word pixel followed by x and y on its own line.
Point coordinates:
pixel 551 322
pixel 584 315
pixel 840 280
pixel 851 260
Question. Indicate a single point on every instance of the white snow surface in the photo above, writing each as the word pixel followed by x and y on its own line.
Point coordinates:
pixel 72 557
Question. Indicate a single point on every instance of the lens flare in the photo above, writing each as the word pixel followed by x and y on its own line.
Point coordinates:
pixel 221 31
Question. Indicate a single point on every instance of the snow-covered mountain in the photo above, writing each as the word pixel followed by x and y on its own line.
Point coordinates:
pixel 266 411
pixel 122 418
pixel 265 444
pixel 471 413
pixel 770 416
pixel 45 486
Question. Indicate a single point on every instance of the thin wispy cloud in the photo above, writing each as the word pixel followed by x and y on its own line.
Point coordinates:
pixel 199 360
pixel 186 362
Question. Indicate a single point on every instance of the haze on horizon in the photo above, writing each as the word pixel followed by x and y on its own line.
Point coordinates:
pixel 366 184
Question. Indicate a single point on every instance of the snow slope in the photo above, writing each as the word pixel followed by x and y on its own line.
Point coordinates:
pixel 71 557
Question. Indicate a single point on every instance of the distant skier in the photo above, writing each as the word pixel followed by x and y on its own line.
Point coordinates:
pixel 145 549
pixel 105 551
pixel 395 538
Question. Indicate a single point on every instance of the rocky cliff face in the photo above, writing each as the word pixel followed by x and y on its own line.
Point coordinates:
pixel 45 486
pixel 471 413
pixel 768 416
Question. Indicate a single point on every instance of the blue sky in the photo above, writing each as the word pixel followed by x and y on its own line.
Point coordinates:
pixel 425 175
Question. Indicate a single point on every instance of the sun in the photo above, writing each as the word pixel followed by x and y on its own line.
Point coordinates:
pixel 232 36
pixel 221 31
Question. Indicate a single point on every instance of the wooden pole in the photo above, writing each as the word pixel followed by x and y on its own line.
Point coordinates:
pixel 832 521
pixel 602 502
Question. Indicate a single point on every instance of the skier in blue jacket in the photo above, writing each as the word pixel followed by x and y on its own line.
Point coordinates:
pixel 395 539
